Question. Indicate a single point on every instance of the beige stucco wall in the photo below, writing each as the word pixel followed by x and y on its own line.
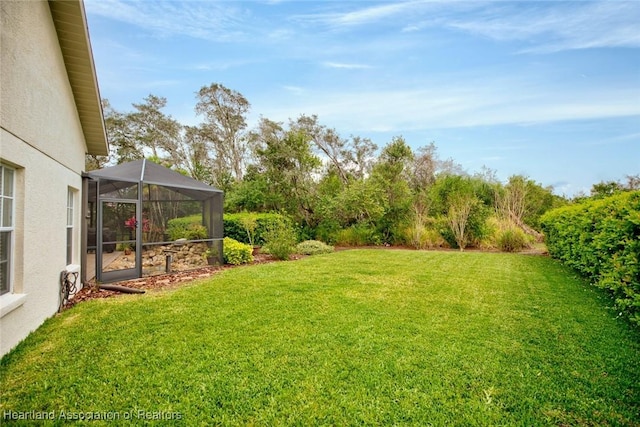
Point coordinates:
pixel 36 102
pixel 42 138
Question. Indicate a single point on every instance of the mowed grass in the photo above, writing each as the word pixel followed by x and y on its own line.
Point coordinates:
pixel 360 337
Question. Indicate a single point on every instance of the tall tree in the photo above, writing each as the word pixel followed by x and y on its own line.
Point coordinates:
pixel 155 130
pixel 289 165
pixel 458 214
pixel 391 174
pixel 523 202
pixel 196 153
pixel 124 146
pixel 224 111
pixel 361 156
pixel 327 142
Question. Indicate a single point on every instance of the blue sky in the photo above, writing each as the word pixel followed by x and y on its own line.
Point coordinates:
pixel 548 89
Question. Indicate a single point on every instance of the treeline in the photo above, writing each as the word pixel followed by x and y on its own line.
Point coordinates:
pixel 345 191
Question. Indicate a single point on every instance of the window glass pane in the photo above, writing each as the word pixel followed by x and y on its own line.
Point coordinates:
pixel 7 188
pixel 69 245
pixel 5 246
pixel 70 207
pixel 4 278
pixel 7 212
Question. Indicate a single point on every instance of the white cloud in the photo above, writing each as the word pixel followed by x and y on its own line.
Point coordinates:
pixel 296 90
pixel 203 20
pixel 346 66
pixel 465 105
pixel 547 26
pixel 559 26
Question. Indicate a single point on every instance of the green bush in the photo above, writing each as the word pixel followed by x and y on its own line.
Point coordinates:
pixel 188 227
pixel 512 239
pixel 280 240
pixel 313 247
pixel 236 226
pixel 357 235
pixel 235 252
pixel 424 237
pixel 601 239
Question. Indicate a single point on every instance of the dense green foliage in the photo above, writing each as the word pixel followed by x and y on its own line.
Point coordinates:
pixel 359 337
pixel 236 253
pixel 313 247
pixel 251 228
pixel 512 240
pixel 280 240
pixel 188 227
pixel 344 191
pixel 601 239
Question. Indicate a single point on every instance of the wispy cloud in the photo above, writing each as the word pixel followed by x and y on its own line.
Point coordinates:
pixel 346 66
pixel 468 106
pixel 203 20
pixel 551 27
pixel 369 14
pixel 545 26
pixel 296 90
pixel 346 16
pixel 216 65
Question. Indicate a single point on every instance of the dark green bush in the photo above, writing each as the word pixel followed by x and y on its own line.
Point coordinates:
pixel 236 253
pixel 235 225
pixel 601 239
pixel 188 227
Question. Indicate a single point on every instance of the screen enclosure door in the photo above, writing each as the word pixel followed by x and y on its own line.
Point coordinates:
pixel 118 253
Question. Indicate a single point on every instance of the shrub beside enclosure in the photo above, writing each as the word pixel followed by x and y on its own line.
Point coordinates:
pixel 236 253
pixel 249 227
pixel 601 239
pixel 187 227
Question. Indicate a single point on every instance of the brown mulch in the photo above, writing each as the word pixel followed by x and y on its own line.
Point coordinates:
pixel 159 282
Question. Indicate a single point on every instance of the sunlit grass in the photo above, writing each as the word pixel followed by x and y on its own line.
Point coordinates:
pixel 367 337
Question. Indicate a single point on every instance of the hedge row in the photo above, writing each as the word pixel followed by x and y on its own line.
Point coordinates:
pixel 601 239
pixel 239 226
pixel 186 227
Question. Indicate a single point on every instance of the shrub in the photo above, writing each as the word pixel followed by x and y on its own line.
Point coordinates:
pixel 247 226
pixel 601 239
pixel 424 237
pixel 235 252
pixel 327 230
pixel 357 235
pixel 505 235
pixel 512 239
pixel 188 227
pixel 313 247
pixel 280 240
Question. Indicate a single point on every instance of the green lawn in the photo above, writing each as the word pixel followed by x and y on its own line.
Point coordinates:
pixel 369 337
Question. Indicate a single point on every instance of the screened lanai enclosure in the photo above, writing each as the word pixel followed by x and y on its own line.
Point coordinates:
pixel 143 219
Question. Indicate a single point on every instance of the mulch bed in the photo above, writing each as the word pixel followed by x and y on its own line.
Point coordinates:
pixel 161 281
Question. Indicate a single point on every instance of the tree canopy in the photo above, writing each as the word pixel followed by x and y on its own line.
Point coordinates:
pixel 334 188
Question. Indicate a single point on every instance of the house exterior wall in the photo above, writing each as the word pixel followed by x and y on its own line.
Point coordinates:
pixel 41 138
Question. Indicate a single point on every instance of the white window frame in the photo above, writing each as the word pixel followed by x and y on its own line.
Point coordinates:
pixel 10 227
pixel 70 231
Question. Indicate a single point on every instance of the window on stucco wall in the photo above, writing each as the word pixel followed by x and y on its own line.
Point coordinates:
pixel 7 192
pixel 71 195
